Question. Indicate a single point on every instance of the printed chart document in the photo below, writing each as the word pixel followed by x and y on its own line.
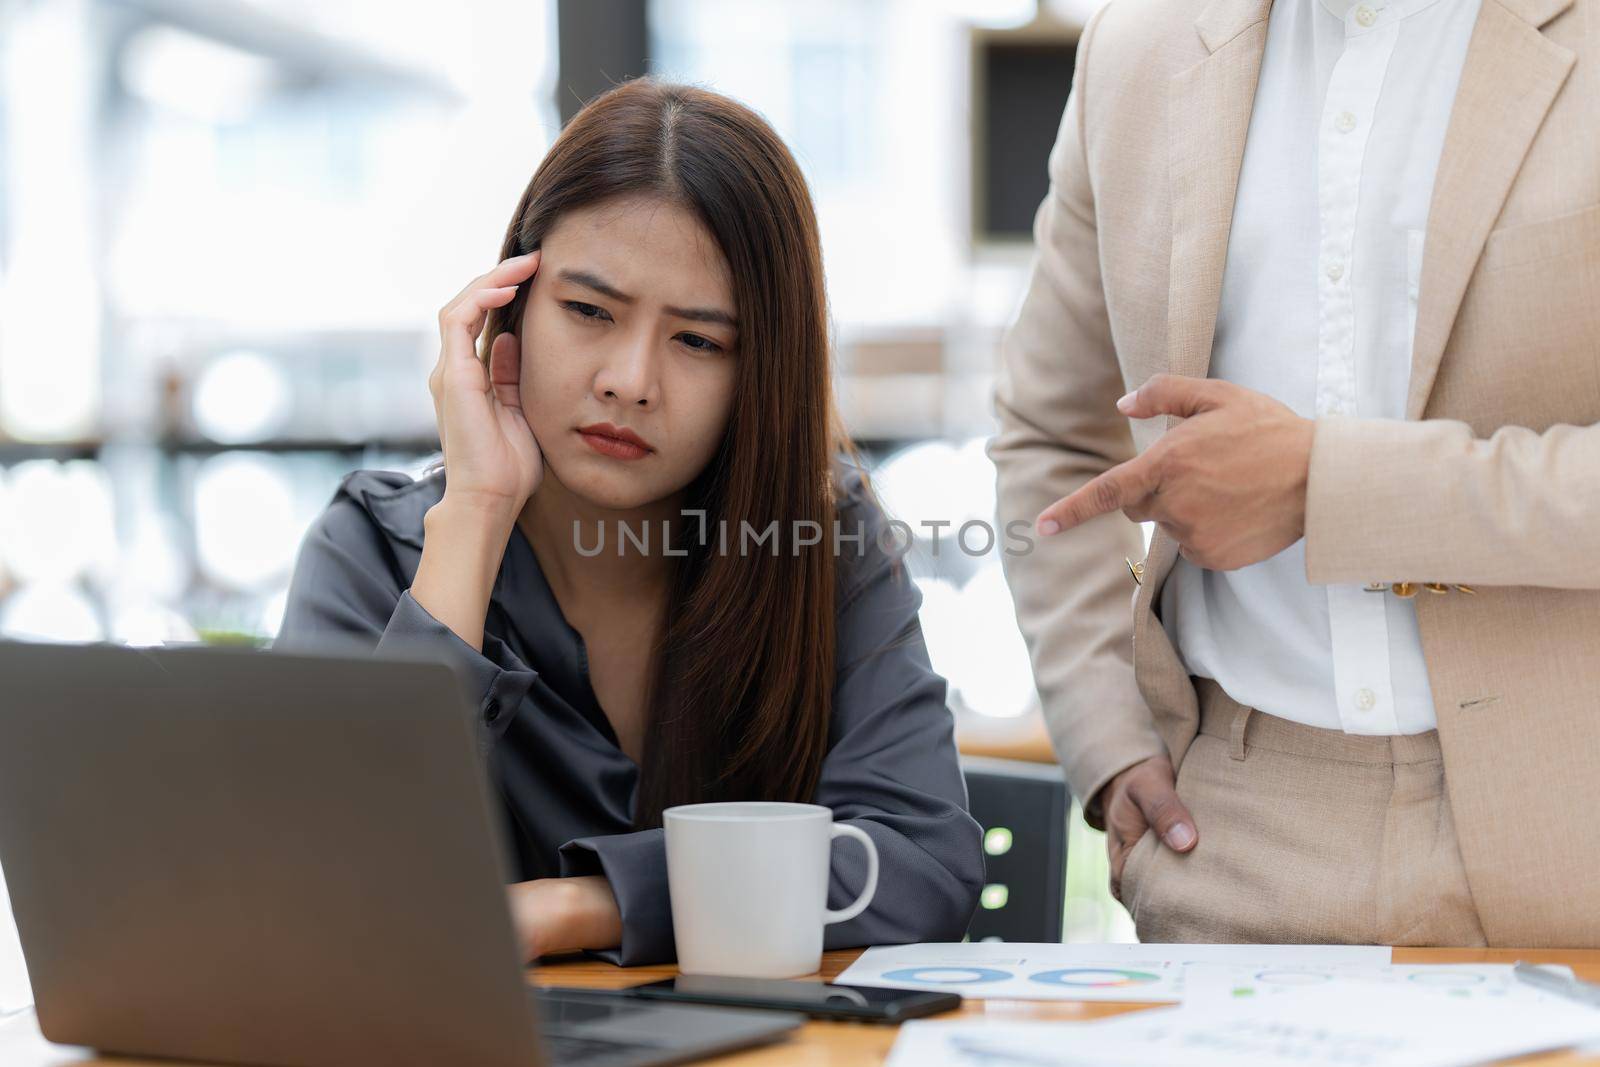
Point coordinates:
pixel 1115 972
pixel 1338 1025
pixel 1451 981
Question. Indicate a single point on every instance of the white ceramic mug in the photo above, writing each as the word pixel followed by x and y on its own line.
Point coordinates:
pixel 749 885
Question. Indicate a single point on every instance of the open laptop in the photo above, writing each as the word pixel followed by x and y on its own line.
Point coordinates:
pixel 251 857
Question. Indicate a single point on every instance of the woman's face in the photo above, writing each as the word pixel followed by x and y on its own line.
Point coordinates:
pixel 629 327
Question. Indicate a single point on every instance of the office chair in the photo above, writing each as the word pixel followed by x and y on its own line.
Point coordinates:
pixel 1023 810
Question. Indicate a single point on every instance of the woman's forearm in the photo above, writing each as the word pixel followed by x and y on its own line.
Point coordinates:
pixel 555 915
pixel 461 553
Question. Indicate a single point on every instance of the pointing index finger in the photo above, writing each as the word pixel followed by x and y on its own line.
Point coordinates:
pixel 1120 487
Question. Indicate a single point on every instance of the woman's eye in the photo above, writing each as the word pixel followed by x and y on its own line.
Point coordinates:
pixel 698 343
pixel 586 311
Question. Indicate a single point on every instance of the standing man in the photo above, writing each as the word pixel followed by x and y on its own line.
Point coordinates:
pixel 1343 258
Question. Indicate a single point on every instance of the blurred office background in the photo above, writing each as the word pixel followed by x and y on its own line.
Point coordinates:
pixel 226 227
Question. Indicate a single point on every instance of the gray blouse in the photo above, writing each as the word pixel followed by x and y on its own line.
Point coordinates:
pixel 566 785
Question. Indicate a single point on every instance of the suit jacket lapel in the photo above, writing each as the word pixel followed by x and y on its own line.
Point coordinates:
pixel 1511 77
pixel 1209 107
pixel 1208 116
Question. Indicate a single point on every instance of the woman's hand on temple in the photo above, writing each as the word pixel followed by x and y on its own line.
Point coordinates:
pixel 554 915
pixel 491 458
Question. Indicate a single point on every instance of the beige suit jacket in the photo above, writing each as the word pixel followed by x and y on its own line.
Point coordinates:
pixel 1492 480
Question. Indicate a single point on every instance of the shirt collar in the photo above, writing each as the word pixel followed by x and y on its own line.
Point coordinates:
pixel 1343 10
pixel 396 503
pixel 398 506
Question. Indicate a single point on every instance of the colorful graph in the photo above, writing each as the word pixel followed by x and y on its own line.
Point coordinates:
pixel 947 975
pixel 1095 977
pixel 1127 973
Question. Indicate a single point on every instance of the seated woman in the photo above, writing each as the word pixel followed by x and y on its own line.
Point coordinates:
pixel 653 381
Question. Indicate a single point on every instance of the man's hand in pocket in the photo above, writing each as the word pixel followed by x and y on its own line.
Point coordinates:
pixel 1140 797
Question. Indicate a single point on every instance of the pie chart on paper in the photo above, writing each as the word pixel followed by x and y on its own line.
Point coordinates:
pixel 1095 977
pixel 947 975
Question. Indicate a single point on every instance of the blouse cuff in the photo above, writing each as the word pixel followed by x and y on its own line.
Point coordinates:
pixel 636 866
pixel 494 681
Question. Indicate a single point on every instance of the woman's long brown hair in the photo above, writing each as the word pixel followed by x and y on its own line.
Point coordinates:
pixel 741 696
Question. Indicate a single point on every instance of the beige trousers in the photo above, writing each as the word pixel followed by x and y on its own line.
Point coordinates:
pixel 1306 836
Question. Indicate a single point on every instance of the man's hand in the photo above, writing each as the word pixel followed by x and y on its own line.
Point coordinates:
pixel 1142 796
pixel 553 915
pixel 1228 483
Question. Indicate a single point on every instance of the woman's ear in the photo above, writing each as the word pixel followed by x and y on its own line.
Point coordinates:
pixel 505 369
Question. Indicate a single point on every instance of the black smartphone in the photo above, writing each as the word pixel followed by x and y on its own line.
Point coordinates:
pixel 821 1000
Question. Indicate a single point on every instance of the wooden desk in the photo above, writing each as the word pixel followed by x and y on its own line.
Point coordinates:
pixel 839 1044
pixel 1019 739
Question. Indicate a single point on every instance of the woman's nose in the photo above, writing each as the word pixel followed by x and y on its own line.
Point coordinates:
pixel 629 375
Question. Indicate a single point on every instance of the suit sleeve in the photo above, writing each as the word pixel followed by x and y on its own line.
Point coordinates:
pixel 344 596
pixel 1392 500
pixel 1055 398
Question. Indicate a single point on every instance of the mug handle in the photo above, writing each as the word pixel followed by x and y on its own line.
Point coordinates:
pixel 839 915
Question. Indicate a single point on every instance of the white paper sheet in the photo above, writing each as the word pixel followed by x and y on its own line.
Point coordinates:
pixel 1103 972
pixel 1465 981
pixel 1347 1025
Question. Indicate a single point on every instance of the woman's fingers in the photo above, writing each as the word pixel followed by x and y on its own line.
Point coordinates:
pixel 460 324
pixel 512 271
pixel 483 433
pixel 468 308
pixel 505 370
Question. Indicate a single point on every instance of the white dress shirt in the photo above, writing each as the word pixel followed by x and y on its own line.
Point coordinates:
pixel 1318 309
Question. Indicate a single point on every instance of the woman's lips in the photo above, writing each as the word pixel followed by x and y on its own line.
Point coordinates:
pixel 615 447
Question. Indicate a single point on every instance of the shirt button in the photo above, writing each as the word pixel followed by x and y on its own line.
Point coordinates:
pixel 1335 270
pixel 1345 122
pixel 491 711
pixel 1365 699
pixel 1365 15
